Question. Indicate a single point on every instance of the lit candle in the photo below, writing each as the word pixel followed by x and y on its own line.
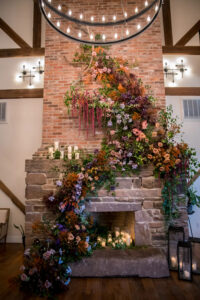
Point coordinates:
pixel 70 149
pixel 128 240
pixel 77 155
pixel 109 240
pixel 62 153
pixel 75 148
pixel 117 232
pixel 69 156
pixel 173 261
pixel 194 266
pixel 181 265
pixel 56 145
pixel 51 152
pixel 103 243
pixel 186 274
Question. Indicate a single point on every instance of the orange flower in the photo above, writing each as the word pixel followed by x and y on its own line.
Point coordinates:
pixel 149 156
pixel 155 150
pixel 154 134
pixel 136 116
pixel 160 144
pixel 177 161
pixel 121 88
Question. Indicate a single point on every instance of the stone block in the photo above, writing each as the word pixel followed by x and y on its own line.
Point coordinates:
pixel 148 171
pixel 112 206
pixel 42 165
pixel 156 224
pixel 36 192
pixel 36 179
pixel 124 183
pixel 142 216
pixel 148 204
pixel 142 234
pixel 138 193
pixel 150 182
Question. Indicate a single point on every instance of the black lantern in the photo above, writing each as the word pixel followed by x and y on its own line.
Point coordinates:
pixel 175 234
pixel 184 252
pixel 195 254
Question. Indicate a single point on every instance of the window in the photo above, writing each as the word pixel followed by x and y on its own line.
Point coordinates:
pixel 191 108
pixel 2 112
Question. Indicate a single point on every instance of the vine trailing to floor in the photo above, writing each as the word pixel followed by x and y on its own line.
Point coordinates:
pixel 136 134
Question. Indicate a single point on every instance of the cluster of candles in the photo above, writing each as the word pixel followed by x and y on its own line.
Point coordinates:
pixel 121 238
pixel 72 151
pixel 186 273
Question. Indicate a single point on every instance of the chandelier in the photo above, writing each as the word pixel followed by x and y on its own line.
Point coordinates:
pixel 100 22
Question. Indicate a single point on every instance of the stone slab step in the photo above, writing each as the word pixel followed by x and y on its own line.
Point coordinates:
pixel 112 206
pixel 142 262
pixel 138 193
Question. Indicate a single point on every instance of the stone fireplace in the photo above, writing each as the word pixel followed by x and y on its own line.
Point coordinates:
pixel 136 202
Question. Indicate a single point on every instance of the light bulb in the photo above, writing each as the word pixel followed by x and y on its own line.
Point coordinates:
pixel 58 24
pixel 59 7
pixel 49 15
pixel 156 8
pixel 30 86
pixel 125 14
pixel 148 19
pixel 42 4
pixel 92 18
pixel 91 36
pixel 49 1
pixel 138 26
pixel 81 16
pixel 114 18
pixel 116 35
pixel 103 37
pixel 79 34
pixel 68 30
pixel 136 10
pixel 127 32
pixel 146 3
pixel 103 19
pixel 69 12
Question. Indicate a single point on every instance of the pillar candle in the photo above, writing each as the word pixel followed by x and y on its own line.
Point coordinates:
pixel 186 274
pixel 173 261
pixel 69 156
pixel 77 155
pixel 51 152
pixel 70 149
pixel 56 145
pixel 75 148
pixel 194 266
pixel 62 153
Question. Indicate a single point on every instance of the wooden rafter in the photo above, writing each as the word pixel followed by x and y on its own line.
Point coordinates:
pixel 37 25
pixel 167 23
pixel 182 91
pixel 188 50
pixel 21 52
pixel 13 35
pixel 21 93
pixel 13 198
pixel 189 35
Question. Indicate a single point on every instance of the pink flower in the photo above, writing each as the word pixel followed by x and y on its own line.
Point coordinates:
pixel 96 64
pixel 80 176
pixel 100 71
pixel 78 239
pixel 70 237
pixel 77 227
pixel 24 277
pixel 144 124
pixel 47 284
pixel 112 132
pixel 94 53
pixel 108 71
pixel 107 56
pixel 83 227
pixel 86 245
pixel 136 131
pixel 105 69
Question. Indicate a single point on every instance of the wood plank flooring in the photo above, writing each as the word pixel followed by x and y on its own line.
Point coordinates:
pixel 99 288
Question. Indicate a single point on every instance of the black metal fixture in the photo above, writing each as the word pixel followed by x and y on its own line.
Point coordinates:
pixel 91 25
pixel 39 68
pixel 31 74
pixel 175 234
pixel 184 253
pixel 173 72
pixel 195 254
pixel 27 75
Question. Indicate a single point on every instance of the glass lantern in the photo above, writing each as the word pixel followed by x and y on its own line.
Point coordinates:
pixel 184 252
pixel 175 234
pixel 195 254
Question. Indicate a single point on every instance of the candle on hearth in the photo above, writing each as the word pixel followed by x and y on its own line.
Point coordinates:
pixel 62 153
pixel 77 155
pixel 128 240
pixel 194 267
pixel 186 274
pixel 117 232
pixel 70 149
pixel 51 152
pixel 103 243
pixel 109 240
pixel 181 265
pixel 56 145
pixel 173 261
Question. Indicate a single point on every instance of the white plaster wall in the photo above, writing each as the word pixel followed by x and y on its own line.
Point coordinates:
pixel 191 135
pixel 20 137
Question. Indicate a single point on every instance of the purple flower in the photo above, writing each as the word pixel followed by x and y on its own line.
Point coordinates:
pixel 129 154
pixel 118 116
pixel 59 183
pixel 51 198
pixel 24 277
pixel 27 252
pixel 122 105
pixel 47 284
pixel 125 128
pixel 134 166
pixel 119 121
pixel 109 123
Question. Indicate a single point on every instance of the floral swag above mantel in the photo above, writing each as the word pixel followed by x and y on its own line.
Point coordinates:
pixel 136 134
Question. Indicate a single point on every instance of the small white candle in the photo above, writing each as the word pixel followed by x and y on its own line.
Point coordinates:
pixel 194 266
pixel 77 155
pixel 62 153
pixel 69 156
pixel 181 265
pixel 75 148
pixel 109 240
pixel 186 274
pixel 173 261
pixel 51 152
pixel 103 243
pixel 117 233
pixel 70 149
pixel 128 240
pixel 56 145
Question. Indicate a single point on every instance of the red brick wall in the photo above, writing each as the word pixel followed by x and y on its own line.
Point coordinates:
pixel 146 49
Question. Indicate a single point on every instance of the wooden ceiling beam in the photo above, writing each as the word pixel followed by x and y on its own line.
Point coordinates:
pixel 179 50
pixel 37 25
pixel 167 23
pixel 21 93
pixel 4 53
pixel 182 91
pixel 13 35
pixel 189 35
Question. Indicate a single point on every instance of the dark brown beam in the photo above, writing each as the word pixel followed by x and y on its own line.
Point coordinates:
pixel 13 35
pixel 167 23
pixel 21 93
pixel 182 91
pixel 4 53
pixel 12 197
pixel 37 25
pixel 189 35
pixel 188 50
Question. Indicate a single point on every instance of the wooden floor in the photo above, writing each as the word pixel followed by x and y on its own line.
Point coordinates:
pixel 99 288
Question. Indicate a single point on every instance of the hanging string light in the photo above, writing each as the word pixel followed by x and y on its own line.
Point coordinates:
pixel 89 24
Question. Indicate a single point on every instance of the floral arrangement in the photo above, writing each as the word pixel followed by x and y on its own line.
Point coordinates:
pixel 137 133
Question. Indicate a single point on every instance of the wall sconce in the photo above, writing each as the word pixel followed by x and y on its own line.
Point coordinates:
pixel 179 69
pixel 31 75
